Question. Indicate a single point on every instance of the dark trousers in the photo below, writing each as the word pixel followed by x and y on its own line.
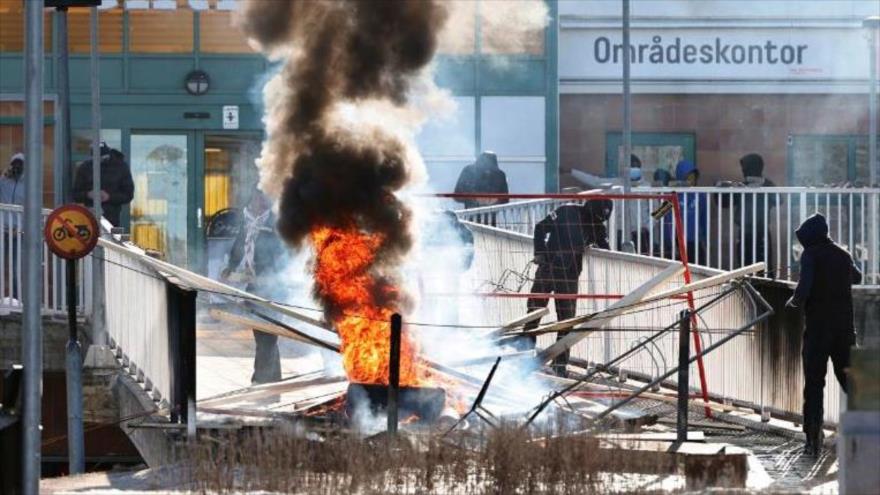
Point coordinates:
pixel 556 280
pixel 818 348
pixel 267 359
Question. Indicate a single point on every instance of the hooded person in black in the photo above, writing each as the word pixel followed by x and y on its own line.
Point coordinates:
pixel 749 212
pixel 559 244
pixel 825 292
pixel 117 187
pixel 482 176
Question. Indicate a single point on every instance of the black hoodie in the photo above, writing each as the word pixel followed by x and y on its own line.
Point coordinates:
pixel 827 276
pixel 115 180
pixel 482 176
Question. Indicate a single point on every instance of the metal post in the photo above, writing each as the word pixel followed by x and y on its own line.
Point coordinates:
pixel 62 82
pixel 684 354
pixel 626 223
pixel 99 334
pixel 32 328
pixel 75 447
pixel 394 372
pixel 873 25
pixel 182 355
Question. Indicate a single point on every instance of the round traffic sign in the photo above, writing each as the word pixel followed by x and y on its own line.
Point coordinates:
pixel 71 231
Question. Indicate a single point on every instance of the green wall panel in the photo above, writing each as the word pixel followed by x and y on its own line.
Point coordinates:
pixel 456 74
pixel 512 76
pixel 12 73
pixel 233 76
pixel 159 74
pixel 110 73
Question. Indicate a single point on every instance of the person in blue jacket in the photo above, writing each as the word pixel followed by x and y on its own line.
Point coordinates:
pixel 693 216
pixel 824 291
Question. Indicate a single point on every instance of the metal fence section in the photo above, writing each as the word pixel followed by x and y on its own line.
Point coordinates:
pixel 741 370
pixel 727 227
pixel 54 296
pixel 136 317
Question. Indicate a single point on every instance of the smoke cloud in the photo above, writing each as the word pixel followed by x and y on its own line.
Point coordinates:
pixel 325 163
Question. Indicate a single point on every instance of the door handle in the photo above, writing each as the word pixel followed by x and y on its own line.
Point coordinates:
pixel 199 217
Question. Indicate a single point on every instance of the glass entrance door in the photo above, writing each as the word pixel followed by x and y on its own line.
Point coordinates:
pixel 161 166
pixel 230 182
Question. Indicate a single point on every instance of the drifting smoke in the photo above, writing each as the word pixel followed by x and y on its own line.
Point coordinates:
pixel 335 173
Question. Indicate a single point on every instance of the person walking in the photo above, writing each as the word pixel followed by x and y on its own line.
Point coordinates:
pixel 559 243
pixel 259 253
pixel 824 291
pixel 117 187
pixel 482 176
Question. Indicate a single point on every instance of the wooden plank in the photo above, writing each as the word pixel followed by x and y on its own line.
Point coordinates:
pixel 260 325
pixel 517 322
pixel 656 436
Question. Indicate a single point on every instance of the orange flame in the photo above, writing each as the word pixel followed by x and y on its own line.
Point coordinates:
pixel 344 276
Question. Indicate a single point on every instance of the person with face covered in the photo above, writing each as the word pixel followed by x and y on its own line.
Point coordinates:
pixel 11 183
pixel 693 206
pixel 117 187
pixel 482 176
pixel 12 192
pixel 749 212
pixel 824 291
pixel 559 244
pixel 259 254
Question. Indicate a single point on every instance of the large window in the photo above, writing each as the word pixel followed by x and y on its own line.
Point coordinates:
pixel 110 29
pixel 12 142
pixel 217 34
pixel 655 150
pixel 828 160
pixel 503 26
pixel 12 27
pixel 157 31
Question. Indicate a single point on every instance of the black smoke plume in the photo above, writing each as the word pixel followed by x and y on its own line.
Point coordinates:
pixel 340 51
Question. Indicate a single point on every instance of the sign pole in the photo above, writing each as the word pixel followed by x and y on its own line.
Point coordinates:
pixel 75 440
pixel 99 334
pixel 32 327
pixel 71 232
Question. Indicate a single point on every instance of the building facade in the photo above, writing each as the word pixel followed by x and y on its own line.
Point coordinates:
pixel 713 81
pixel 181 98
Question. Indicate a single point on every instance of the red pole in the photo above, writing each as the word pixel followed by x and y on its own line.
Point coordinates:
pixel 698 344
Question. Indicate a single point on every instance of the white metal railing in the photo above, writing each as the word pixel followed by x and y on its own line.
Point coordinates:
pixel 136 316
pixel 748 368
pixel 734 226
pixel 54 296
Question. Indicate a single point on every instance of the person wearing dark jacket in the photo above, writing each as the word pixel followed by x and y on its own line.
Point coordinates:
pixel 482 176
pixel 559 243
pixel 117 187
pixel 259 252
pixel 749 213
pixel 824 291
pixel 693 216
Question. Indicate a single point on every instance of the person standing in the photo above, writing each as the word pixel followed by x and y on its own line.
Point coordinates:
pixel 117 187
pixel 481 177
pixel 559 243
pixel 11 183
pixel 693 215
pixel 749 213
pixel 824 291
pixel 259 253
pixel 12 192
